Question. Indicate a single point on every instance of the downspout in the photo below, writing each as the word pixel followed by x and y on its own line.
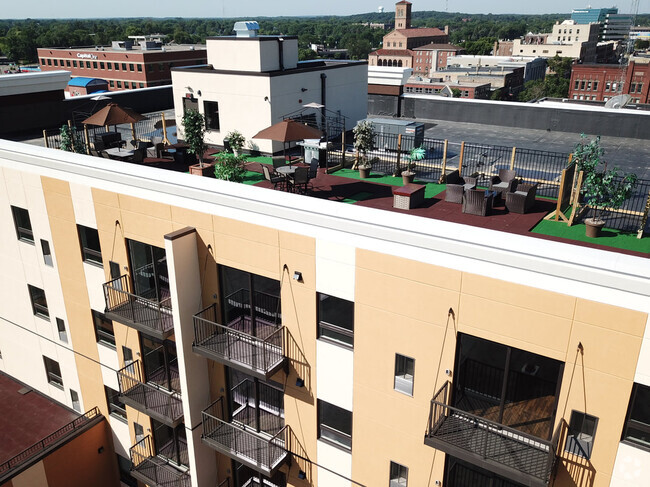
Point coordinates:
pixel 323 89
pixel 281 52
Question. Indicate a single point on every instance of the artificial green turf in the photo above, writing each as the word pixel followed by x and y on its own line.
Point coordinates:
pixel 252 177
pixel 431 190
pixel 608 237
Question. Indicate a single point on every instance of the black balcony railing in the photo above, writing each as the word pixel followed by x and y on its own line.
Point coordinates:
pixel 490 445
pixel 150 316
pixel 37 448
pixel 261 452
pixel 149 398
pixel 235 345
pixel 158 470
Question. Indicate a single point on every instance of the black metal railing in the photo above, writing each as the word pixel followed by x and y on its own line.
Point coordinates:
pixel 268 417
pixel 262 451
pixel 150 314
pixel 267 306
pixel 490 441
pixel 150 396
pixel 156 469
pixel 263 352
pixel 49 440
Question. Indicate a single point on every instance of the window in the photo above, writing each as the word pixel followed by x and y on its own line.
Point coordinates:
pixel 123 66
pixel 101 65
pixel 404 370
pixel 637 424
pixel 60 326
pixel 117 66
pixel 131 67
pixel 43 62
pixel 639 87
pixel 119 84
pixel 580 437
pixel 67 63
pixel 595 85
pixel 56 62
pixel 23 224
pixel 139 432
pixel 88 64
pixel 74 397
pixel 115 407
pixel 335 424
pixel 109 66
pixel 39 303
pixel 140 85
pixel 398 475
pixel 576 85
pixel 211 109
pixel 150 68
pixel 582 85
pixel 47 254
pixel 94 64
pixel 139 68
pixel 53 372
pixel 74 64
pixel 91 251
pixel 112 83
pixel 336 320
pixel 49 62
pixel 103 329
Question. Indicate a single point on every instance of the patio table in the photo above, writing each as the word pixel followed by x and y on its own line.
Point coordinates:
pixel 119 153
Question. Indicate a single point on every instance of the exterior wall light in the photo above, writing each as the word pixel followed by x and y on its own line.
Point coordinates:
pixel 297 276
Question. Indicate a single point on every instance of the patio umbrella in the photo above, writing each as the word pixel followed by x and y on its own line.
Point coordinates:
pixel 288 131
pixel 113 114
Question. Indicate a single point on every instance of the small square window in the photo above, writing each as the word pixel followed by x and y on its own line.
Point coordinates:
pixel 53 372
pixel 138 429
pixel 398 475
pixel 91 251
pixel 115 407
pixel 580 437
pixel 47 253
pixel 60 326
pixel 335 425
pixel 103 329
pixel 74 397
pixel 404 370
pixel 336 320
pixel 39 302
pixel 23 224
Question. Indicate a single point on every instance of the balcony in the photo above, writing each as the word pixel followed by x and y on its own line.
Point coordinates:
pixel 505 451
pixel 149 314
pixel 263 452
pixel 150 397
pixel 164 469
pixel 252 345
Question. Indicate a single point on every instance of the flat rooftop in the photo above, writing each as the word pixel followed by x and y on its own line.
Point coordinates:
pixel 26 417
pixel 136 48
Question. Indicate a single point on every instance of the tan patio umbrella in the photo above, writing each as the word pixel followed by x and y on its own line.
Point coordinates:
pixel 113 114
pixel 288 131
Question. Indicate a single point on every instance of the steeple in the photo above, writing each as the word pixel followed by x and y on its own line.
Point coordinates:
pixel 403 15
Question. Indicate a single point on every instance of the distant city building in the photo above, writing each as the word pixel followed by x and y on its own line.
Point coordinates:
pixel 534 67
pixel 433 57
pixel 85 86
pixel 598 82
pixel 613 26
pixel 568 39
pixel 510 80
pixel 465 89
pixel 398 45
pixel 141 62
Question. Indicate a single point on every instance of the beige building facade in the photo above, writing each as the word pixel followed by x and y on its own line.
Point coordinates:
pixel 567 39
pixel 264 338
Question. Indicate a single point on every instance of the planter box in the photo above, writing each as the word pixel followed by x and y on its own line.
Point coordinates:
pixel 206 170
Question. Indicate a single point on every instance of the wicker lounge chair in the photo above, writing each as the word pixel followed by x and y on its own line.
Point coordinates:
pixel 476 203
pixel 523 199
pixel 457 185
pixel 505 182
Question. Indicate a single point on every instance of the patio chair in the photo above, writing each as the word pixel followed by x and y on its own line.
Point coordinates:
pixel 275 179
pixel 457 185
pixel 138 155
pixel 300 180
pixel 505 182
pixel 523 199
pixel 278 161
pixel 476 203
pixel 313 168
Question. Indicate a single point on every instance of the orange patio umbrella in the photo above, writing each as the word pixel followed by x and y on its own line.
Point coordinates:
pixel 288 131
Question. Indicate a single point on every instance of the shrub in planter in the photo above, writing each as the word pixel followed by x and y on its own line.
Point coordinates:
pixel 364 139
pixel 72 141
pixel 230 167
pixel 237 141
pixel 416 154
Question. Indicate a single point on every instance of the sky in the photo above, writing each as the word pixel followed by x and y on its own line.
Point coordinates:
pixel 268 8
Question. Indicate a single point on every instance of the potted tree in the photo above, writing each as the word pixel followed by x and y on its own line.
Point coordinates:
pixel 416 154
pixel 602 189
pixel 194 131
pixel 364 138
pixel 237 141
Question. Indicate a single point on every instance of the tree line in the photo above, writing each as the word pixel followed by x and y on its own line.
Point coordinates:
pixel 19 39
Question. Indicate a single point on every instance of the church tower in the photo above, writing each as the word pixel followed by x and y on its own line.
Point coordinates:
pixel 403 15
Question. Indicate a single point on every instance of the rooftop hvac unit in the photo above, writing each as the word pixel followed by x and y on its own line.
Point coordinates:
pixel 247 28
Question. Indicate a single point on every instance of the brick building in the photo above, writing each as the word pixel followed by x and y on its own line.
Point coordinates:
pixel 125 64
pixel 433 57
pixel 398 44
pixel 600 82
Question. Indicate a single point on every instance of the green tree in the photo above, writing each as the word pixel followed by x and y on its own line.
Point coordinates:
pixel 194 132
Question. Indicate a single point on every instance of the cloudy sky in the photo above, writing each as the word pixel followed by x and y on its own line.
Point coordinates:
pixel 254 8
